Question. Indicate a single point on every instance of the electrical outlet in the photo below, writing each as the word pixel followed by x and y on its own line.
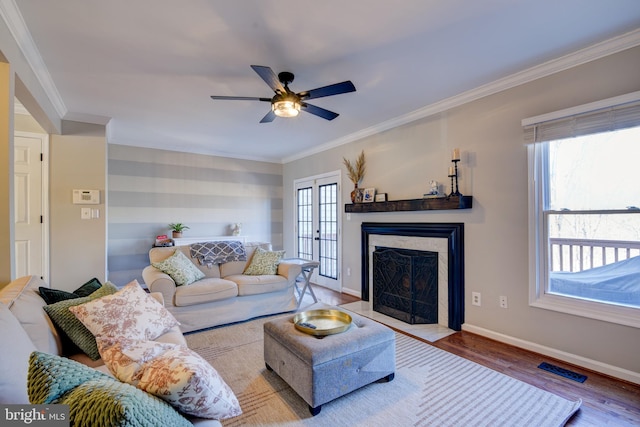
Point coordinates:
pixel 348 271
pixel 503 302
pixel 476 299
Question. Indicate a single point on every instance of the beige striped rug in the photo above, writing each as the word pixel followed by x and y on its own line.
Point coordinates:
pixel 431 388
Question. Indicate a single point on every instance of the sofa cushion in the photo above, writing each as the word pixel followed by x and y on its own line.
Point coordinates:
pixel 251 285
pixel 14 358
pixel 160 254
pixel 129 313
pixel 24 301
pixel 180 268
pixel 51 296
pixel 264 262
pixel 70 325
pixel 237 267
pixel 205 290
pixel 94 396
pixel 174 373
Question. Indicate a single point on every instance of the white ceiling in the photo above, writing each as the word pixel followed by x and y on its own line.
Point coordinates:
pixel 149 66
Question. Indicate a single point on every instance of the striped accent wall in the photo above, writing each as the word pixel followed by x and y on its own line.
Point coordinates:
pixel 148 188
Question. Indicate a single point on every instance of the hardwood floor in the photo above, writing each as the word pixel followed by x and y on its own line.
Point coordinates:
pixel 605 400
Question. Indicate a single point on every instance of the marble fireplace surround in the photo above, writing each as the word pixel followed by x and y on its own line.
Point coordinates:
pixel 445 238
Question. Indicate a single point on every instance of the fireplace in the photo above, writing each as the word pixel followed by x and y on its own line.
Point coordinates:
pixel 447 239
pixel 405 284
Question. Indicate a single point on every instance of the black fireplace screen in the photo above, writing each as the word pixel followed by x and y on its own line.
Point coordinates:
pixel 405 284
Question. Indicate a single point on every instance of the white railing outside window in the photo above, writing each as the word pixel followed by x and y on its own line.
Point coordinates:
pixel 583 254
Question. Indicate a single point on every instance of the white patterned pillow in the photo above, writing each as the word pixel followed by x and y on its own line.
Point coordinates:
pixel 180 268
pixel 175 374
pixel 129 313
pixel 264 262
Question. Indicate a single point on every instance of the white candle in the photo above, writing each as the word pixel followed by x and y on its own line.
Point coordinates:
pixel 451 171
pixel 456 154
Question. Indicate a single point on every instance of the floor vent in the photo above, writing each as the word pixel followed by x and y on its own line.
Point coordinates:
pixel 563 372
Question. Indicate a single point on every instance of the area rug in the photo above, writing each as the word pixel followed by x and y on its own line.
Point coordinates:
pixel 431 388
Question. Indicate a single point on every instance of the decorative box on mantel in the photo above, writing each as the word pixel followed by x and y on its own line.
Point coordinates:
pixel 442 203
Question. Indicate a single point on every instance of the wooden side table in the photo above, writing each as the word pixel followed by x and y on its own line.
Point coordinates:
pixel 307 266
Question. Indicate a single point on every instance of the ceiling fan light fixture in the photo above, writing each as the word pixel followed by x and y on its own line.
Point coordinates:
pixel 286 108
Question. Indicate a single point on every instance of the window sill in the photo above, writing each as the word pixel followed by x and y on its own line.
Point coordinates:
pixel 621 315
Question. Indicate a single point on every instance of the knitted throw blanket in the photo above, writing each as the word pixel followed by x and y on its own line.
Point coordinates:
pixel 209 253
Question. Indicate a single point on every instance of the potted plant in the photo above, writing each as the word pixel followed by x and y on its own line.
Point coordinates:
pixel 177 228
pixel 355 173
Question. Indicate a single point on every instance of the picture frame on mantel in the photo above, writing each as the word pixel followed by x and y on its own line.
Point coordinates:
pixel 381 197
pixel 369 194
pixel 359 195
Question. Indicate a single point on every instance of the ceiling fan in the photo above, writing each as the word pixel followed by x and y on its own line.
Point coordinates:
pixel 287 103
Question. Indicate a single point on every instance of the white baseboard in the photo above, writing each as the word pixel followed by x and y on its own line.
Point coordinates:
pixel 352 292
pixel 593 365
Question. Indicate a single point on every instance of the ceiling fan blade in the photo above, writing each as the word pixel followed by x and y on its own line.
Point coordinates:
pixel 334 89
pixel 317 111
pixel 269 77
pixel 269 117
pixel 241 98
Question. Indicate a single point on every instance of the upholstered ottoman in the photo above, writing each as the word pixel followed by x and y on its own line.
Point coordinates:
pixel 323 369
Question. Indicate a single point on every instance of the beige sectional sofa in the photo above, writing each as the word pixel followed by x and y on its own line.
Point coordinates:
pixel 225 295
pixel 25 327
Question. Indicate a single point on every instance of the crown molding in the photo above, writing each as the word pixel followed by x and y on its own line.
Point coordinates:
pixel 12 17
pixel 582 56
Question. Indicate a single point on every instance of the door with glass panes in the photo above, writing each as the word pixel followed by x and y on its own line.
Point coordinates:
pixel 318 226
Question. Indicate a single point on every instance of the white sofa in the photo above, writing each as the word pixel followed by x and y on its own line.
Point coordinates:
pixel 25 327
pixel 225 295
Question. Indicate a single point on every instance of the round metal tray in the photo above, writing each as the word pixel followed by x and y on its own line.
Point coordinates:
pixel 322 322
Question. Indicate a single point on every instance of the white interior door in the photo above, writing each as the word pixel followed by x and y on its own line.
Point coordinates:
pixel 318 235
pixel 29 205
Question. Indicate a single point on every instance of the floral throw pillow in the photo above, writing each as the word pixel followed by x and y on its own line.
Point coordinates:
pixel 264 262
pixel 180 268
pixel 175 374
pixel 129 313
pixel 65 320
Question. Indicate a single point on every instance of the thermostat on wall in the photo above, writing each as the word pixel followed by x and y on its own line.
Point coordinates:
pixel 86 197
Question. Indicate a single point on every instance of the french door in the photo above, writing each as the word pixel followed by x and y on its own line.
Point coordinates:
pixel 318 235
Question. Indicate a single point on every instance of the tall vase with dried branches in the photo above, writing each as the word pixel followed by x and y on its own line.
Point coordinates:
pixel 355 172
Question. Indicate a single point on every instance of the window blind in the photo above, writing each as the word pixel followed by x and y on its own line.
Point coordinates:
pixel 574 122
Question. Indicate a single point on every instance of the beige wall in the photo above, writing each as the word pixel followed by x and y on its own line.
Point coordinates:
pixel 488 132
pixel 77 246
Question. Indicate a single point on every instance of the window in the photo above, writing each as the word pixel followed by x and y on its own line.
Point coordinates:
pixel 585 210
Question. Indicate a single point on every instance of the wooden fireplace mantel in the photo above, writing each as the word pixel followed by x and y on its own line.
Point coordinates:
pixel 453 202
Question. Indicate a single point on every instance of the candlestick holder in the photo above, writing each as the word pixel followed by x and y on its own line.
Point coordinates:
pixel 454 179
pixel 451 194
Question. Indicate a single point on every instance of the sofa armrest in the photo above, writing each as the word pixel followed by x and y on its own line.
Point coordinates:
pixel 157 281
pixel 289 270
pixel 157 296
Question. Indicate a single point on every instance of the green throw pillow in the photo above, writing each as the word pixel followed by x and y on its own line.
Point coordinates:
pixel 50 377
pixel 51 296
pixel 180 268
pixel 264 262
pixel 94 398
pixel 71 326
